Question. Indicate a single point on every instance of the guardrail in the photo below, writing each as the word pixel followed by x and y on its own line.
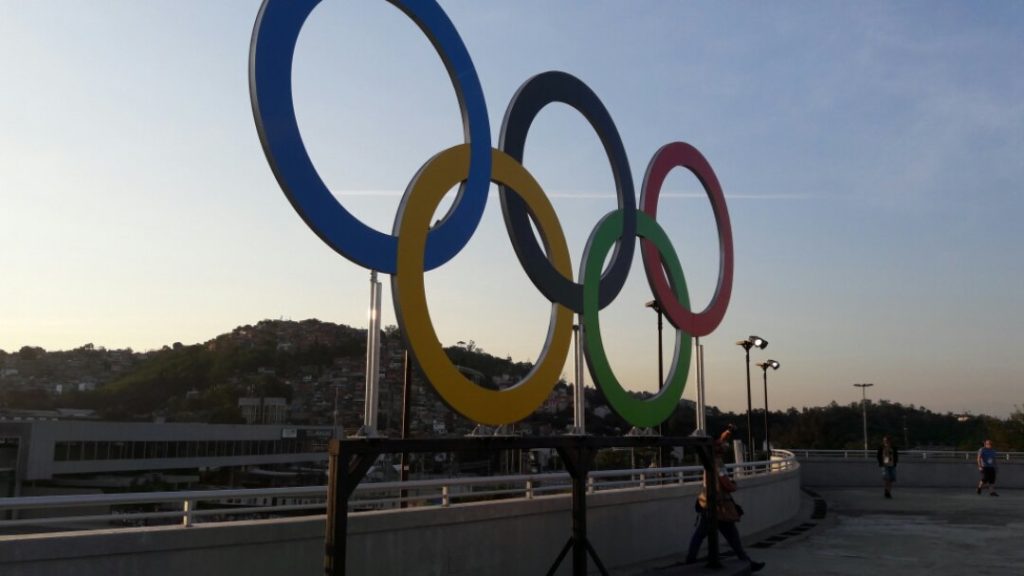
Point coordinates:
pixel 189 507
pixel 945 455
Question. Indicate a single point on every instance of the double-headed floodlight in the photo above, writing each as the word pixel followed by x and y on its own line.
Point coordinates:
pixel 751 342
pixel 653 305
pixel 864 409
pixel 764 366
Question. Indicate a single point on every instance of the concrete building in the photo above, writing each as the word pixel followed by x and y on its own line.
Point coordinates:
pixel 264 410
pixel 48 453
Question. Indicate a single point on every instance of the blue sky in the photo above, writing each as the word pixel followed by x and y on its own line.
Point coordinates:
pixel 870 153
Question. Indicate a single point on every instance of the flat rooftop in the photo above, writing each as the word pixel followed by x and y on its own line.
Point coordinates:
pixel 927 531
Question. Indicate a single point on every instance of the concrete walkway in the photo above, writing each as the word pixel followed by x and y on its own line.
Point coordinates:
pixel 927 531
pixel 921 531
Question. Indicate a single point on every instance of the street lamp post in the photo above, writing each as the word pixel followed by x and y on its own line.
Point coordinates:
pixel 774 365
pixel 653 304
pixel 747 345
pixel 864 409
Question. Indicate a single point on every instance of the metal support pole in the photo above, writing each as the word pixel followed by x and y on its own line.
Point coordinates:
pixel 579 425
pixel 376 352
pixel 350 459
pixel 578 462
pixel 372 360
pixel 750 428
pixel 701 410
pixel 406 405
pixel 864 414
pixel 345 471
pixel 661 382
pixel 864 410
pixel 336 532
pixel 661 354
pixel 337 415
pixel 579 519
pixel 767 442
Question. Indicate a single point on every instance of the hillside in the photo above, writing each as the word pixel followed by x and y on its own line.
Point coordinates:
pixel 316 365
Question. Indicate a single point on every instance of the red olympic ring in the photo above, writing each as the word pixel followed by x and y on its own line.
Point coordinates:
pixel 669 156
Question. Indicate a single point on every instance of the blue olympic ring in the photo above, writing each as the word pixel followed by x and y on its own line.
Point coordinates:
pixel 270 89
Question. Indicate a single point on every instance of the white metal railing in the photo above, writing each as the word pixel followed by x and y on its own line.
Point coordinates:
pixel 947 455
pixel 95 511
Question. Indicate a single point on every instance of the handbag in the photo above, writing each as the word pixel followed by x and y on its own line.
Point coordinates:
pixel 727 510
pixel 726 484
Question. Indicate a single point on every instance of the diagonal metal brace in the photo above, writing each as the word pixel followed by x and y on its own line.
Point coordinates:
pixel 347 469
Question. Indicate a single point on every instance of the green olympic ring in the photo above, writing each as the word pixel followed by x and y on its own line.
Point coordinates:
pixel 638 412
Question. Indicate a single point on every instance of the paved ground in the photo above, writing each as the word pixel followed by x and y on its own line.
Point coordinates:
pixel 928 531
pixel 921 531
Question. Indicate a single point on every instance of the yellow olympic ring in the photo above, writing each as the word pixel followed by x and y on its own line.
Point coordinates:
pixel 432 182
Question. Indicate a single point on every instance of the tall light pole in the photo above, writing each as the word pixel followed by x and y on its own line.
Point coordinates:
pixel 774 365
pixel 864 409
pixel 747 345
pixel 653 304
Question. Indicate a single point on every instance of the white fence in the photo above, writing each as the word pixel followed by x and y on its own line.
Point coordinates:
pixel 98 511
pixel 905 455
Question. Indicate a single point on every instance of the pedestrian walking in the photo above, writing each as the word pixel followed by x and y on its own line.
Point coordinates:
pixel 987 466
pixel 728 512
pixel 888 456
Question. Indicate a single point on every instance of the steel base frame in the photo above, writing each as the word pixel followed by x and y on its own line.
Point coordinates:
pixel 351 458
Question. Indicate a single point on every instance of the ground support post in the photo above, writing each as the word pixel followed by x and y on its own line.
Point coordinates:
pixel 351 458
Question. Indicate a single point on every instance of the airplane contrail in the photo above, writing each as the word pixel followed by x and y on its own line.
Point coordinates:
pixel 600 195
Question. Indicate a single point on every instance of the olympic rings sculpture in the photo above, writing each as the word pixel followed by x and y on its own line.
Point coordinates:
pixel 415 247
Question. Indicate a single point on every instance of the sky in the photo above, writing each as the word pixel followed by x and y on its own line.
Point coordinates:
pixel 871 155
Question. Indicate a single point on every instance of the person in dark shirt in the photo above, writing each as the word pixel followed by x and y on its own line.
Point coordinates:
pixel 987 466
pixel 888 456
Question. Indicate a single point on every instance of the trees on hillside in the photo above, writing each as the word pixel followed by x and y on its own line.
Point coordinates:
pixel 203 382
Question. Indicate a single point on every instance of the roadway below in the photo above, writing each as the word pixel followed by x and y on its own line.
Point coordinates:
pixel 921 531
